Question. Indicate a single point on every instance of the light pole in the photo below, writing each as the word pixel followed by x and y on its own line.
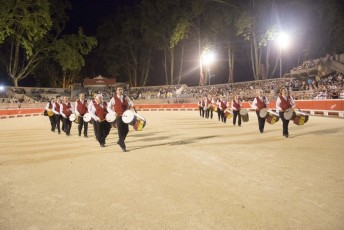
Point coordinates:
pixel 208 58
pixel 283 43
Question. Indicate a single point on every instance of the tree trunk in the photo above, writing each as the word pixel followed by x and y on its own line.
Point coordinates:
pixel 267 62
pixel 230 64
pixel 165 65
pixel 172 65
pixel 252 62
pixel 181 64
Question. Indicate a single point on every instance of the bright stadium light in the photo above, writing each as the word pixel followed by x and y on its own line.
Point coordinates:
pixel 283 42
pixel 208 58
pixel 2 88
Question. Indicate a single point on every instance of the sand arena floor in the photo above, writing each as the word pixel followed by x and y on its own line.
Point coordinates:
pixel 181 172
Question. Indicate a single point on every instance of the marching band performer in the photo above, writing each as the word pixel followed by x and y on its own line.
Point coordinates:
pixel 119 104
pixel 98 112
pixel 201 107
pixel 259 103
pixel 207 102
pixel 49 107
pixel 283 103
pixel 66 109
pixel 57 115
pixel 94 123
pixel 222 107
pixel 80 110
pixel 236 106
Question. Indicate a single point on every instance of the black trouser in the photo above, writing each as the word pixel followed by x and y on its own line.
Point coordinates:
pixel 207 113
pixel 52 122
pixel 211 114
pixel 261 122
pixel 285 123
pixel 57 118
pixel 95 128
pixel 103 129
pixel 219 111
pixel 67 124
pixel 82 124
pixel 223 117
pixel 201 111
pixel 123 130
pixel 236 114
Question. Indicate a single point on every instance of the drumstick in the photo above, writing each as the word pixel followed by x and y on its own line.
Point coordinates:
pixel 134 109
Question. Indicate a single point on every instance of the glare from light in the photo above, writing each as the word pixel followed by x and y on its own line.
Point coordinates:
pixel 2 88
pixel 283 40
pixel 208 58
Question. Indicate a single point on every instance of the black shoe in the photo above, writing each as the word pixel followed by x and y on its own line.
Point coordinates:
pixel 79 134
pixel 286 135
pixel 59 132
pixel 124 150
pixel 261 131
pixel 102 145
pixel 85 136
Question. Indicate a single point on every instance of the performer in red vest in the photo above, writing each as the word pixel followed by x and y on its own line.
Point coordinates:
pixel 49 107
pixel 283 103
pixel 57 116
pixel 80 110
pixel 94 123
pixel 236 106
pixel 119 104
pixel 201 107
pixel 66 109
pixel 98 112
pixel 259 103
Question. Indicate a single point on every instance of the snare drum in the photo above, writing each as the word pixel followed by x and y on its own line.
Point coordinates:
pixel 138 122
pixel 244 115
pixel 228 114
pixel 272 117
pixel 263 113
pixel 87 117
pixel 289 114
pixel 214 108
pixel 300 118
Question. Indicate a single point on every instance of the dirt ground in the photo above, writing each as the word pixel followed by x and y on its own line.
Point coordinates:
pixel 180 172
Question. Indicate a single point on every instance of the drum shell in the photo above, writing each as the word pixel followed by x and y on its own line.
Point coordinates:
pixel 244 115
pixel 263 113
pixel 228 114
pixel 138 122
pixel 272 117
pixel 300 118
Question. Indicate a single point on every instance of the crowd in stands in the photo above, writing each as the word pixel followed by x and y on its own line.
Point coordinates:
pixel 330 86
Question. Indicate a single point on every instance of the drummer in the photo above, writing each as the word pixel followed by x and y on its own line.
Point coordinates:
pixel 236 106
pixel 66 109
pixel 80 110
pixel 49 107
pixel 98 112
pixel 119 104
pixel 259 103
pixel 283 103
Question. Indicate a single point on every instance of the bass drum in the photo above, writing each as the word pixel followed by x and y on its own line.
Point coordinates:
pixel 138 122
pixel 272 117
pixel 244 115
pixel 289 114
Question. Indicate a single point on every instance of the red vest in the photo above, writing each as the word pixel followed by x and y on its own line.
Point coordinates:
pixel 57 107
pixel 285 104
pixel 66 109
pixel 101 112
pixel 82 107
pixel 223 105
pixel 236 105
pixel 260 104
pixel 119 106
pixel 50 105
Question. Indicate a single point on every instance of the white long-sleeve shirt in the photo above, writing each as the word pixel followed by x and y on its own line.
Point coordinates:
pixel 278 103
pixel 61 109
pixel 92 110
pixel 111 104
pixel 47 106
pixel 254 103
pixel 54 109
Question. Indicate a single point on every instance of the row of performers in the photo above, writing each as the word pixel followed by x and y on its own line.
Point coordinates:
pixel 62 110
pixel 285 109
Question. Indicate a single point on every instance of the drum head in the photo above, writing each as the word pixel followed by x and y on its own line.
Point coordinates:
pixel 87 117
pixel 288 114
pixel 72 117
pixel 128 116
pixel 263 113
pixel 243 112
pixel 110 117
